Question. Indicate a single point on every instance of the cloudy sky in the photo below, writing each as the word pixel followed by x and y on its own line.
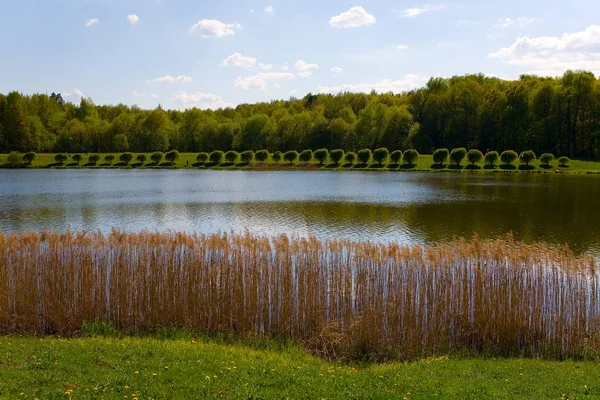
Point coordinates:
pixel 210 54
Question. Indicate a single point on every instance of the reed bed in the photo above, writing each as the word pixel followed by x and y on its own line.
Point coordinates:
pixel 338 298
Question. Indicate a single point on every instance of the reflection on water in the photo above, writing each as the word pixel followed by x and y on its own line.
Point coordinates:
pixel 405 207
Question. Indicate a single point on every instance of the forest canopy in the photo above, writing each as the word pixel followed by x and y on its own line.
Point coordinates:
pixel 554 115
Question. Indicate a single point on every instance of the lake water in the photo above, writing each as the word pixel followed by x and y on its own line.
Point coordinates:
pixel 408 207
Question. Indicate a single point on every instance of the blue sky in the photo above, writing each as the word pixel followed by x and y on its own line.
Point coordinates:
pixel 186 53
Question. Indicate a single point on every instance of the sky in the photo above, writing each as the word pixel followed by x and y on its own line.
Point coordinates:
pixel 211 54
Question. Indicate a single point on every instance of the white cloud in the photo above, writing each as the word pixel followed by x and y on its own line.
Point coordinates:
pixel 552 55
pixel 416 11
pixel 336 70
pixel 386 85
pixel 138 94
pixel 277 85
pixel 133 19
pixel 305 74
pixel 211 28
pixel 238 60
pixel 353 18
pixel 269 9
pixel 304 66
pixel 200 100
pixel 91 22
pixel 285 68
pixel 402 47
pixel 154 96
pixel 265 67
pixel 508 22
pixel 74 93
pixel 170 79
pixel 260 81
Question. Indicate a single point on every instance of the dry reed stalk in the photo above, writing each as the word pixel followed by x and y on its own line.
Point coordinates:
pixel 338 297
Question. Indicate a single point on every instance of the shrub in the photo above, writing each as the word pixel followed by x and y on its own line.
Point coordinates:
pixel 411 156
pixel 491 158
pixel 261 156
pixel 396 156
pixel 156 157
pixel 216 156
pixel 350 157
pixel 474 156
pixel 336 156
pixel 247 156
pixel 61 158
pixel 126 157
pixel 109 158
pixel 276 156
pixel 380 155
pixel 546 158
pixel 14 158
pixel 306 156
pixel 29 157
pixel 457 155
pixel 291 156
pixel 508 157
pixel 94 158
pixel 231 156
pixel 142 157
pixel 526 157
pixel 563 161
pixel 321 155
pixel 440 156
pixel 77 158
pixel 202 158
pixel 172 156
pixel 364 156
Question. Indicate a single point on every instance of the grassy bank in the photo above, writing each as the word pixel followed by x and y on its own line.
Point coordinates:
pixel 186 368
pixel 425 163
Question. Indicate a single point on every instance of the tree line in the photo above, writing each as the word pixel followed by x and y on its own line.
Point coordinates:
pixel 546 115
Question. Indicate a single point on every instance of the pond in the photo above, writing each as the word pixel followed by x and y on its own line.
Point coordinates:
pixel 407 207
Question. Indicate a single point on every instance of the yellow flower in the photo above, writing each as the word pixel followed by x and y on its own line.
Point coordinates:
pixel 207 378
pixel 154 374
pixel 125 387
pixel 136 372
pixel 166 367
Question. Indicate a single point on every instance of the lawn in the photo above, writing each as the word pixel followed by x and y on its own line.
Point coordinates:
pixel 181 367
pixel 425 163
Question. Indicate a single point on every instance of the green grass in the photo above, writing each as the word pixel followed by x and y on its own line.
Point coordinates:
pixel 180 368
pixel 425 163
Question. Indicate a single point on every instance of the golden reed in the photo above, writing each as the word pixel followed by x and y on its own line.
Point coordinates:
pixel 338 298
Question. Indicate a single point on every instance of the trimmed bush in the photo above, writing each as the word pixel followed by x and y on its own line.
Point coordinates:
pixel 290 156
pixel 109 158
pixel 306 156
pixel 364 156
pixel 336 156
pixel 350 157
pixel 563 161
pixel 261 156
pixel 380 155
pixel 77 158
pixel 142 157
pixel 61 158
pixel 156 157
pixel 546 159
pixel 94 158
pixel 474 156
pixel 29 157
pixel 202 158
pixel 126 158
pixel 247 156
pixel 457 155
pixel 231 156
pixel 276 156
pixel 440 156
pixel 15 158
pixel 508 157
pixel 321 155
pixel 526 157
pixel 411 156
pixel 396 156
pixel 216 156
pixel 172 156
pixel 491 158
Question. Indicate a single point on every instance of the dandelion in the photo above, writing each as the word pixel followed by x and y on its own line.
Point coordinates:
pixel 136 372
pixel 154 374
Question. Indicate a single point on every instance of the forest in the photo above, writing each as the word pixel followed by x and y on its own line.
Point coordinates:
pixel 556 115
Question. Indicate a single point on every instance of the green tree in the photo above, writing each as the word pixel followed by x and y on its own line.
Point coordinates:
pixel 120 143
pixel 172 156
pixel 202 157
pixel 336 156
pixel 142 157
pixel 231 156
pixel 440 156
pixel 216 156
pixel 247 156
pixel 411 156
pixel 77 158
pixel 350 157
pixel 61 158
pixel 94 158
pixel 306 156
pixel 396 156
pixel 126 158
pixel 290 156
pixel 380 155
pixel 526 157
pixel 14 158
pixel 491 158
pixel 508 157
pixel 321 155
pixel 563 161
pixel 156 157
pixel 109 158
pixel 474 156
pixel 276 156
pixel 546 159
pixel 457 155
pixel 364 156
pixel 262 156
pixel 29 157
